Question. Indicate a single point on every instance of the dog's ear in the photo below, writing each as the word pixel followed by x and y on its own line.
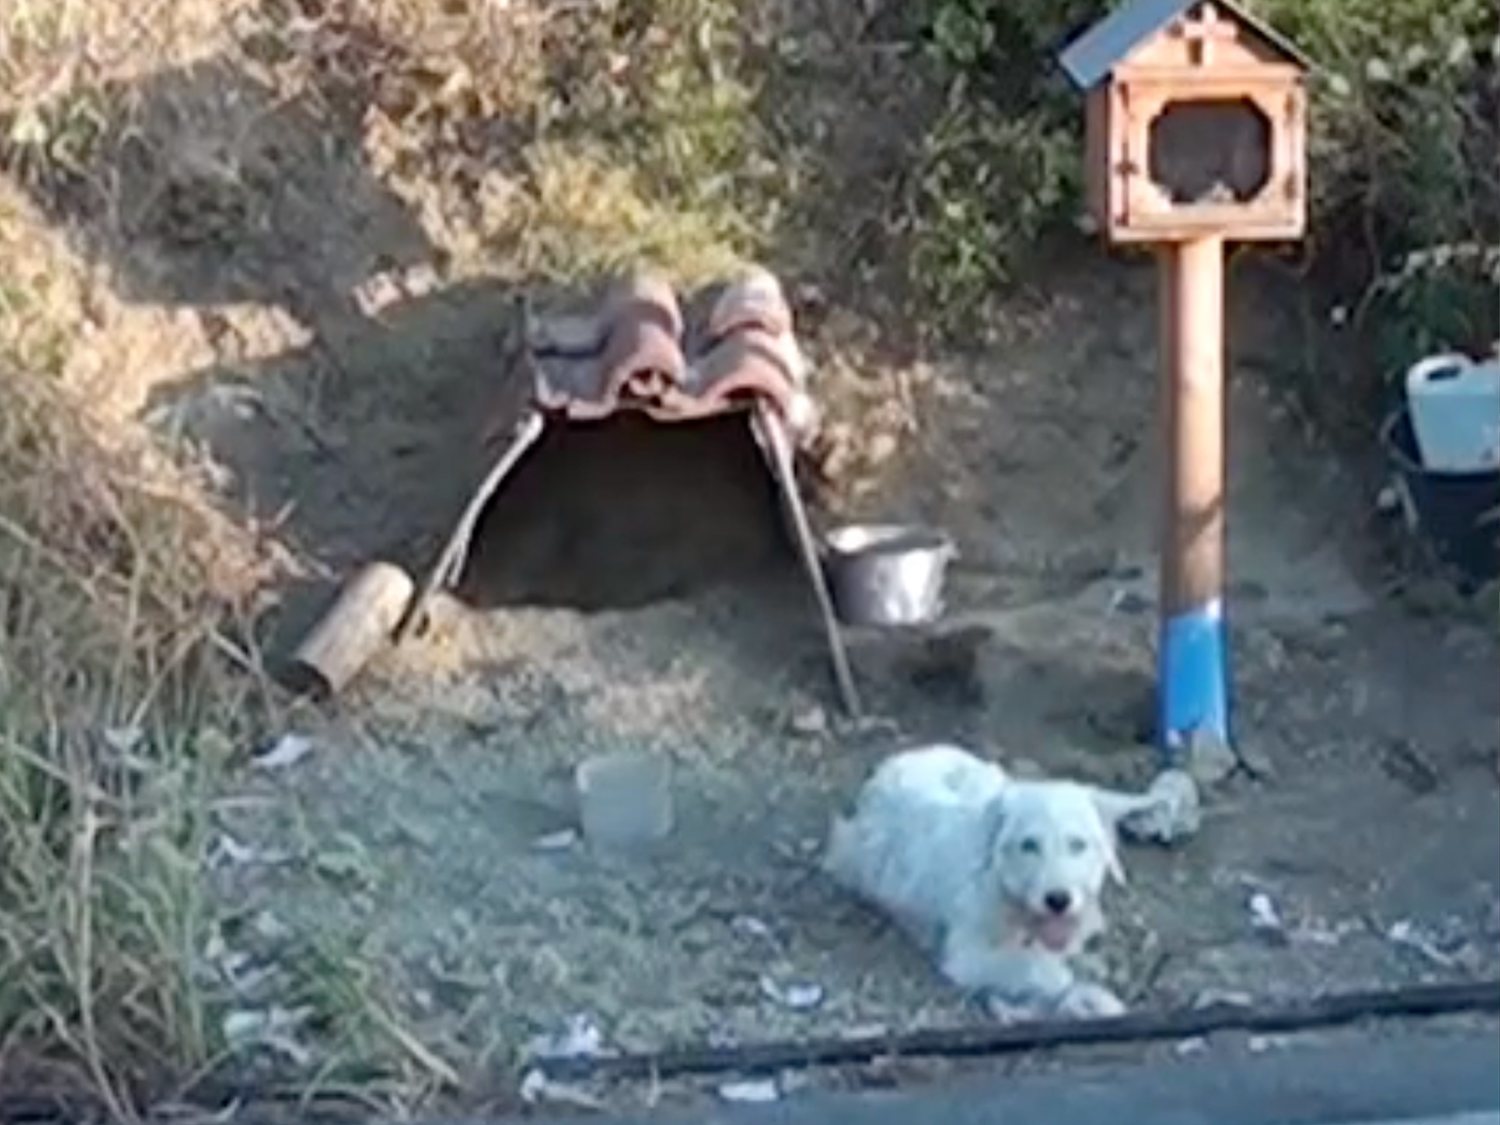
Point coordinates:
pixel 1108 810
pixel 996 821
pixel 1112 864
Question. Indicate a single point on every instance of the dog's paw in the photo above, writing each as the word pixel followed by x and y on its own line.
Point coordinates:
pixel 1089 1002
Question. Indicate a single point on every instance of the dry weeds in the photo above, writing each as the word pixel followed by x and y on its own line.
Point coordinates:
pixel 529 140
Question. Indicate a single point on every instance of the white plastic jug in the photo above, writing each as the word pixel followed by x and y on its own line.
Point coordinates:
pixel 1455 413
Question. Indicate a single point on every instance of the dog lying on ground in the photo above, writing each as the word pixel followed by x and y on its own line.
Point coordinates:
pixel 997 878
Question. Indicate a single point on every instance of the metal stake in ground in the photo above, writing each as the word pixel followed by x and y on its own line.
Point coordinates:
pixel 448 568
pixel 1196 123
pixel 771 436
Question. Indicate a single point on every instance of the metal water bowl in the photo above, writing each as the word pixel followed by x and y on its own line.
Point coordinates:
pixel 887 574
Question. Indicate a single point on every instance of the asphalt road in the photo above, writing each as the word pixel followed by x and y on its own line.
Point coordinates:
pixel 1414 1079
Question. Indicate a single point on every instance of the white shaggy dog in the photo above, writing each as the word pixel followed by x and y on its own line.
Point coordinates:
pixel 997 878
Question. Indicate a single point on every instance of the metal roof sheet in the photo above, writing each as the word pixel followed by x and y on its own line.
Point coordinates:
pixel 1091 57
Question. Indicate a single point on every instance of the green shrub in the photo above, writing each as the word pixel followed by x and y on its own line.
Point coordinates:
pixel 1405 126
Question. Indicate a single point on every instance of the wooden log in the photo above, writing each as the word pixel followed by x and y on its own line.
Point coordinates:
pixel 362 620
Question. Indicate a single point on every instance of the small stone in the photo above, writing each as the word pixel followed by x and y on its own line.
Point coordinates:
pixel 810 723
pixel 1255 760
pixel 1174 812
pixel 1209 759
pixel 1194 1046
pixel 1128 602
pixel 881 449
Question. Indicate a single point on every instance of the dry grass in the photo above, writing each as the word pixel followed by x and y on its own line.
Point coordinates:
pixel 530 141
pixel 124 600
pixel 124 595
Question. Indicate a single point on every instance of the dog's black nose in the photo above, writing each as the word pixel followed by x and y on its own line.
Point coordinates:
pixel 1057 901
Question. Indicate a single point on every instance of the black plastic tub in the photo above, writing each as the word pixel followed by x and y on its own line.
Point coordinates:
pixel 1458 512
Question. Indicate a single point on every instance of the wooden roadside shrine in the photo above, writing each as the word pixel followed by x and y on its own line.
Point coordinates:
pixel 1196 125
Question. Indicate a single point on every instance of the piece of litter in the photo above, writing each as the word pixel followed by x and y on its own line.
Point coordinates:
pixel 755 1090
pixel 1259 1044
pixel 536 1088
pixel 248 1026
pixel 286 1045
pixel 1406 933
pixel 749 926
pixel 1318 932
pixel 232 964
pixel 254 980
pixel 288 750
pixel 122 740
pixel 270 927
pixel 1194 1046
pixel 790 1081
pixel 799 996
pixel 1004 1012
pixel 227 849
pixel 1263 914
pixel 580 1038
pixel 559 841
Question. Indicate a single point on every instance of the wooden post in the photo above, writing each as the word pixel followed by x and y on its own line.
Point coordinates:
pixel 1193 660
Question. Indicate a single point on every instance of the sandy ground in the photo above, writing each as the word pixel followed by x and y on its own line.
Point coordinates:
pixel 636 596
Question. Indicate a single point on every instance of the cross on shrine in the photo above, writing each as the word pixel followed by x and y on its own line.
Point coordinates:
pixel 1204 31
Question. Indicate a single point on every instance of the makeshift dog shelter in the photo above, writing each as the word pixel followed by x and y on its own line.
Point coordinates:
pixel 733 352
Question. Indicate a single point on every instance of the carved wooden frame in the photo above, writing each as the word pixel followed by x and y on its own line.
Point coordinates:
pixel 1131 208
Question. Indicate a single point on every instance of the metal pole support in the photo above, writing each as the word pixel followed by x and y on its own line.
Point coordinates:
pixel 1193 644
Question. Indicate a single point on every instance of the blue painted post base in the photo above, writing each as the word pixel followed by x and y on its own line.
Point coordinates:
pixel 1192 678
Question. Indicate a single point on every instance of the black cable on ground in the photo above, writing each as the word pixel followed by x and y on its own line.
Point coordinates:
pixel 1425 1001
pixel 1421 1002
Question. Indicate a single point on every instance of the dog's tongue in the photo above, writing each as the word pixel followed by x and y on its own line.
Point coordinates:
pixel 1055 933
